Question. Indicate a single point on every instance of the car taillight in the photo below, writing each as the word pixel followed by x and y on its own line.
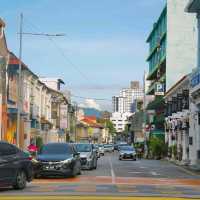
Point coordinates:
pixel 30 157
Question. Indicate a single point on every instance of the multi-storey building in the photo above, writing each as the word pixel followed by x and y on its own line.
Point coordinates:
pixel 194 136
pixel 115 103
pixel 129 97
pixel 120 120
pixel 172 46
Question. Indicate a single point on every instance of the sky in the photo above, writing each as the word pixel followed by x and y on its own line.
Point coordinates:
pixel 103 49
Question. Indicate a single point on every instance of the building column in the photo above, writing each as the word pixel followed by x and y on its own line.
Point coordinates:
pixel 193 132
pixel 185 146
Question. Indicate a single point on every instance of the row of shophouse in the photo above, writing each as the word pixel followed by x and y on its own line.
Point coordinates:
pixel 174 63
pixel 47 113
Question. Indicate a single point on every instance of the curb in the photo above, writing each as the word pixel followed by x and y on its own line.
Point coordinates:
pixel 187 169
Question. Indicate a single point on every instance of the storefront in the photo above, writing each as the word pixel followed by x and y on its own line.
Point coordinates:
pixel 177 120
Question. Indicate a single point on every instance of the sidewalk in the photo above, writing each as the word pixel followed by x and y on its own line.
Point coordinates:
pixel 194 170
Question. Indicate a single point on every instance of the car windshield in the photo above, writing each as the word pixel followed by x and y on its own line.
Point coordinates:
pixel 83 147
pixel 108 145
pixel 127 148
pixel 56 149
pixel 100 145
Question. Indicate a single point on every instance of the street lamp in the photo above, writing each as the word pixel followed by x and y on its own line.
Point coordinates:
pixel 20 81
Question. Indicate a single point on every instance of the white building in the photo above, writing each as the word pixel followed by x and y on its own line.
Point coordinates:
pixel 120 120
pixel 194 133
pixel 127 99
pixel 53 83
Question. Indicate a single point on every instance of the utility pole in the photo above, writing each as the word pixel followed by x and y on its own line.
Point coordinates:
pixel 144 116
pixel 76 114
pixel 20 86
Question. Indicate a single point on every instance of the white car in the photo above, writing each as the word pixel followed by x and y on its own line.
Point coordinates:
pixel 108 148
pixel 101 149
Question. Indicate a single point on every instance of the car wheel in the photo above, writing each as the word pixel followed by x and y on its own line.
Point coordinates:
pixel 20 182
pixel 37 176
pixel 120 158
pixel 95 164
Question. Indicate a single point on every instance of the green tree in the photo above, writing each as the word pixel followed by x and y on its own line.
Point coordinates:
pixel 157 148
pixel 110 127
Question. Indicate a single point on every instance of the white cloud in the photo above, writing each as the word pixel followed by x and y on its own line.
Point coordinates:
pixel 90 103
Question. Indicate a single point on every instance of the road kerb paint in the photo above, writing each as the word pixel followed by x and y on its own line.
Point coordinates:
pixel 87 198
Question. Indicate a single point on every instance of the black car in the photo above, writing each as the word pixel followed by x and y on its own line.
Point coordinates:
pixel 58 159
pixel 15 167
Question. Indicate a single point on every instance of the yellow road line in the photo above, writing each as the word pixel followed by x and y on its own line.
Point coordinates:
pixel 86 198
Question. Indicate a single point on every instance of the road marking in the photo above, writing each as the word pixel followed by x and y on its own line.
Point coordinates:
pixel 135 172
pixel 112 171
pixel 143 167
pixel 155 174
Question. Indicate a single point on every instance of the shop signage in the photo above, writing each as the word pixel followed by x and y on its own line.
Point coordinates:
pixel 54 110
pixel 179 102
pixel 185 100
pixel 195 80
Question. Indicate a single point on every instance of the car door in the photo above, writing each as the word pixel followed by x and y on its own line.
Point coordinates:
pixel 7 162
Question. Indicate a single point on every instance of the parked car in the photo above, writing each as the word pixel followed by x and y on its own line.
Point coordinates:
pixel 88 155
pixel 127 152
pixel 60 159
pixel 15 166
pixel 101 149
pixel 108 148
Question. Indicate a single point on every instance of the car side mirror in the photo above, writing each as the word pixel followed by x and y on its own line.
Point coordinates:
pixel 77 154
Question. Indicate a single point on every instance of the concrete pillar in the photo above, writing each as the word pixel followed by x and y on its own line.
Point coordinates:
pixel 185 145
pixel 193 134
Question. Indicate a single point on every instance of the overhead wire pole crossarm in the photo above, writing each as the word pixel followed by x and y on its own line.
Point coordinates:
pixel 44 34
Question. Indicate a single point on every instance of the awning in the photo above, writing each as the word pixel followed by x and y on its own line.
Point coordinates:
pixel 193 6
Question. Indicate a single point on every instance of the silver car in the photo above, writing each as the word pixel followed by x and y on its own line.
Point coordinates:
pixel 88 155
pixel 108 147
pixel 127 152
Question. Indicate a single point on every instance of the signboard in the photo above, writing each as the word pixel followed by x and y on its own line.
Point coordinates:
pixel 185 100
pixel 159 90
pixel 54 110
pixel 12 85
pixel 179 102
pixel 63 116
pixel 174 104
pixel 195 79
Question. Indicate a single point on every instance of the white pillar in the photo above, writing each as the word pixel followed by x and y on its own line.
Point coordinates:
pixel 193 134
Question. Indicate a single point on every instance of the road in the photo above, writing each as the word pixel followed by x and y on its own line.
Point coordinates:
pixel 116 179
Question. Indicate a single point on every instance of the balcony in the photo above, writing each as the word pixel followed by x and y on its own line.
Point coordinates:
pixel 152 74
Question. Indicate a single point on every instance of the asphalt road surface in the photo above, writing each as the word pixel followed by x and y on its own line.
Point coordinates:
pixel 114 178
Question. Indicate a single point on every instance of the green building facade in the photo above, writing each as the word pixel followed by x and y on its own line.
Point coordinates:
pixel 157 53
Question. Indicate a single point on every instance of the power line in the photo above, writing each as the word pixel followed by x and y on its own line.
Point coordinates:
pixel 97 99
pixel 49 36
pixel 62 53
